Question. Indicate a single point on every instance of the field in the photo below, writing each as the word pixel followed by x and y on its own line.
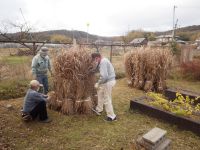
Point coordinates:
pixel 92 132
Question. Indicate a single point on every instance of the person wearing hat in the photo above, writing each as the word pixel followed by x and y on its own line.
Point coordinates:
pixel 104 86
pixel 35 104
pixel 40 66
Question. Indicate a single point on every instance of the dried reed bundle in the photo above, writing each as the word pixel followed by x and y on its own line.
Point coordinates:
pixel 95 99
pixel 87 105
pixel 78 106
pixel 51 100
pixel 67 107
pixel 74 81
pixel 146 68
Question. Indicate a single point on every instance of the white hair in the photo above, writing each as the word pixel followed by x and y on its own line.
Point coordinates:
pixel 34 83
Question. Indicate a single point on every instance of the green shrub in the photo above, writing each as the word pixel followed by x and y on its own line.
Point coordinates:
pixel 13 89
pixel 175 48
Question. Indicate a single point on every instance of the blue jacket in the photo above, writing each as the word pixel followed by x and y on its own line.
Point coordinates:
pixel 31 99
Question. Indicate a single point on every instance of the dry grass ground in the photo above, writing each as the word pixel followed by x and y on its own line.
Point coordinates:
pixel 91 132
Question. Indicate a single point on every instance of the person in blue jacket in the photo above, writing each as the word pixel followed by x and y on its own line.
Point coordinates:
pixel 35 103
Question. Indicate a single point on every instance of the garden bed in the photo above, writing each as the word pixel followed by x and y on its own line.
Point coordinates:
pixel 170 93
pixel 182 122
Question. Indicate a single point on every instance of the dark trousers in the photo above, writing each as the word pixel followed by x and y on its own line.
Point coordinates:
pixel 43 79
pixel 39 110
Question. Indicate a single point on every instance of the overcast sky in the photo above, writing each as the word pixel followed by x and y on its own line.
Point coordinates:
pixel 106 17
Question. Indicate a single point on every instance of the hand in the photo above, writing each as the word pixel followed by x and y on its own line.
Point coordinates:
pixel 45 96
pixel 96 85
pixel 51 74
pixel 34 77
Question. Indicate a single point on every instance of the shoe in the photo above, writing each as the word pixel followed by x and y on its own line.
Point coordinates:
pixel 26 117
pixel 110 119
pixel 46 120
pixel 98 113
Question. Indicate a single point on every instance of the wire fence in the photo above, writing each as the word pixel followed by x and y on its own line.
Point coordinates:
pixel 15 64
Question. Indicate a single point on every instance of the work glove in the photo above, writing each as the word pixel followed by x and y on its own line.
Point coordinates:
pixel 45 96
pixel 96 86
pixel 34 76
pixel 51 73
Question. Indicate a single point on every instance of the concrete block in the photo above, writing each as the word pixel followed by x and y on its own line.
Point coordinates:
pixel 154 136
pixel 165 145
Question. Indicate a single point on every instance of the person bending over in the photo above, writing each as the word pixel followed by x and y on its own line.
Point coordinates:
pixel 104 86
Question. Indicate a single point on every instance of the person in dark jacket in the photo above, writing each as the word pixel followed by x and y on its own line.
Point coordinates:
pixel 35 103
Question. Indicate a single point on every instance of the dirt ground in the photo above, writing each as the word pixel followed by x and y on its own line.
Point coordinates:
pixel 90 132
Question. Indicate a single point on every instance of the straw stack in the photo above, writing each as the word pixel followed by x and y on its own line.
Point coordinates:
pixel 73 82
pixel 146 68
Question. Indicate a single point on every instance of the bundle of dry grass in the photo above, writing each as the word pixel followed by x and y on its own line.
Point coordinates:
pixel 73 82
pixel 147 68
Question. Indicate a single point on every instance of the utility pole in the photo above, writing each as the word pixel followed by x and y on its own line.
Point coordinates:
pixel 173 28
pixel 72 34
pixel 87 31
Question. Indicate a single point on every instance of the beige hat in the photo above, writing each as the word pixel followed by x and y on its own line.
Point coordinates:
pixel 44 49
pixel 35 83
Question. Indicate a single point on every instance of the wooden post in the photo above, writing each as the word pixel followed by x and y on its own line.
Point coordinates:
pixel 186 54
pixel 34 48
pixel 124 48
pixel 111 53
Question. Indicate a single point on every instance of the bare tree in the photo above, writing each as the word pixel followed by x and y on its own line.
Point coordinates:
pixel 22 35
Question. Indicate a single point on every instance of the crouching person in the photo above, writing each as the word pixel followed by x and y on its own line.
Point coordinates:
pixel 35 104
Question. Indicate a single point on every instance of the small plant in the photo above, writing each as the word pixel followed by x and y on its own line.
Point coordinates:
pixel 180 105
pixel 175 48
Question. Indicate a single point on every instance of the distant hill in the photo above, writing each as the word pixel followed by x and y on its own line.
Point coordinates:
pixel 194 28
pixel 189 33
pixel 80 36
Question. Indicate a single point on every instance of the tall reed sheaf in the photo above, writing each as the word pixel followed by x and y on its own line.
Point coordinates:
pixel 146 68
pixel 73 83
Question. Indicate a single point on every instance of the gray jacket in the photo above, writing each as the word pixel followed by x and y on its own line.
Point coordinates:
pixel 107 72
pixel 40 65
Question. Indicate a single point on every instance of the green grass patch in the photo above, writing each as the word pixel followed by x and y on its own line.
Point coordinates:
pixel 13 89
pixel 12 60
pixel 188 85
